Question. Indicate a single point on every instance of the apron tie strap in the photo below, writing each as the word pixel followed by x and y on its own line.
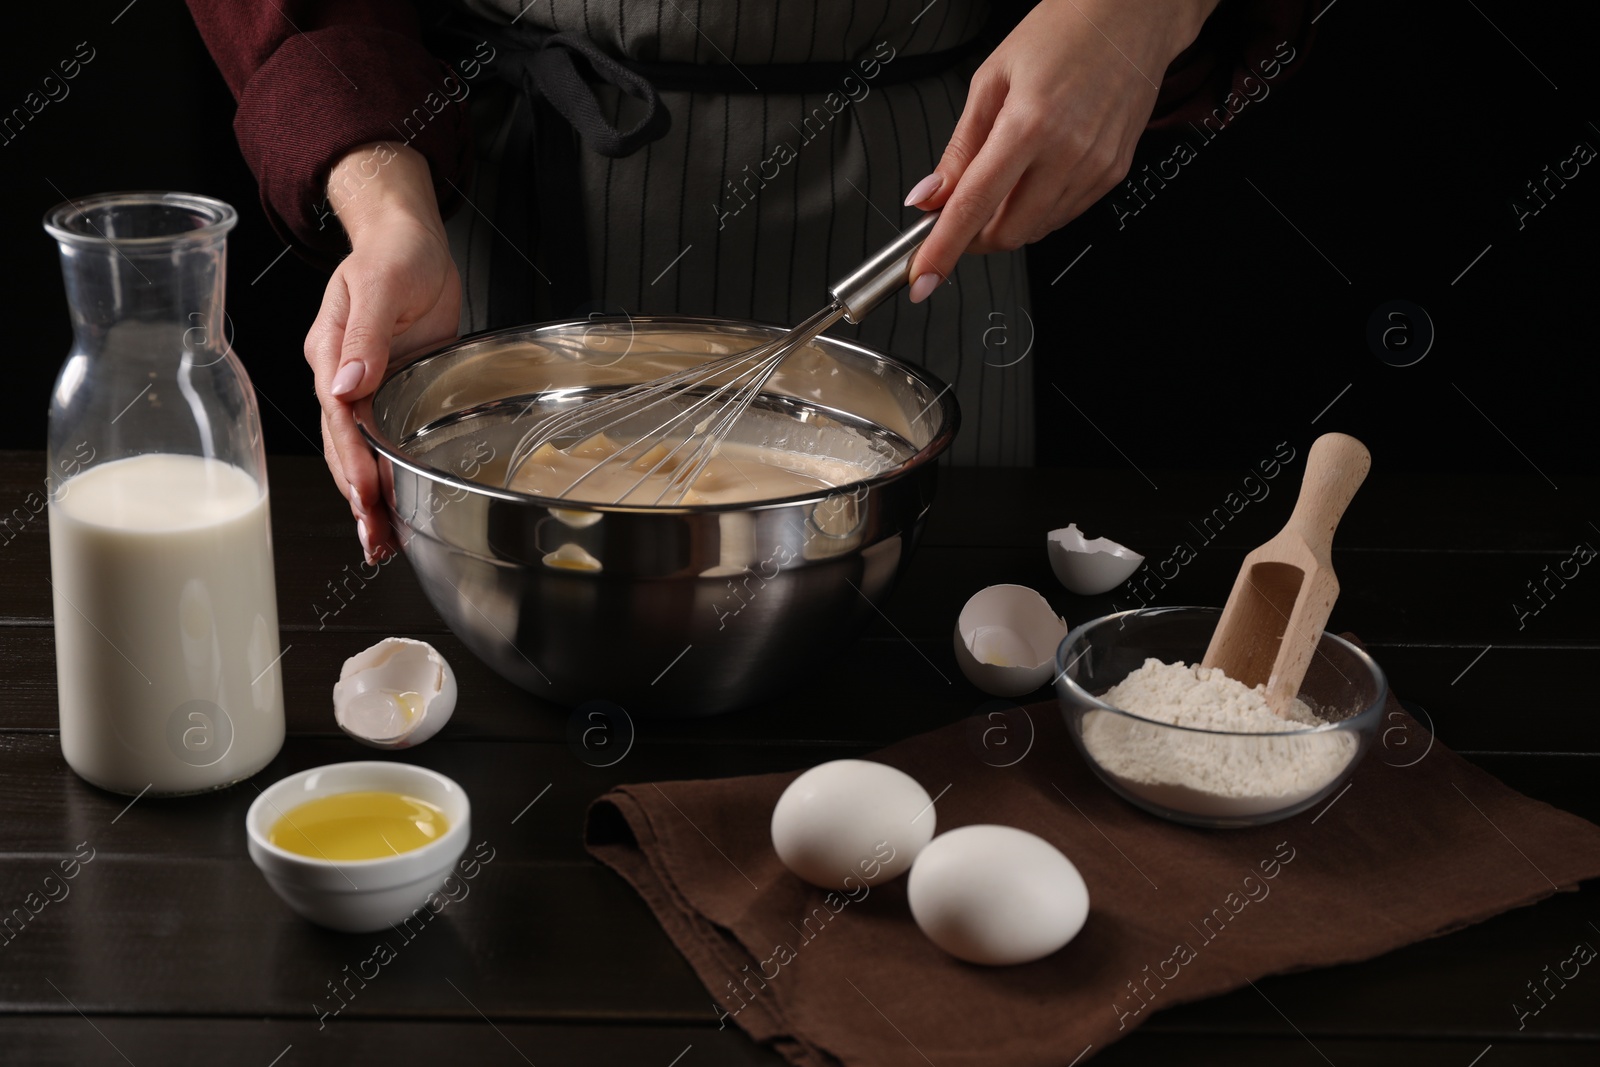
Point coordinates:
pixel 551 70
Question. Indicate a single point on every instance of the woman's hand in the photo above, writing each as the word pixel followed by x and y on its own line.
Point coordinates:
pixel 397 291
pixel 1049 126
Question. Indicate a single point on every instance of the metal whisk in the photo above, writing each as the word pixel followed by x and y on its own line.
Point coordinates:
pixel 703 402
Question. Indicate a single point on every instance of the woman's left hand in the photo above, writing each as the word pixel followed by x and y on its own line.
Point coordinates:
pixel 1049 126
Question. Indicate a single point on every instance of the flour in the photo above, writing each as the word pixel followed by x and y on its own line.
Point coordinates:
pixel 1212 773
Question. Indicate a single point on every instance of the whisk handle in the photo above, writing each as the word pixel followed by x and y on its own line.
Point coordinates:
pixel 883 274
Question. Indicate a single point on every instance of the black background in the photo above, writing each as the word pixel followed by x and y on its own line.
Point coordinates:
pixel 1200 334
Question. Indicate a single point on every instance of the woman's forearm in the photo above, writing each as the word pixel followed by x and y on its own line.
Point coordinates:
pixel 379 182
pixel 314 78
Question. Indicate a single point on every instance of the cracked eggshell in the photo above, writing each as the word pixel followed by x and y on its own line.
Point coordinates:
pixel 1006 639
pixel 396 694
pixel 1089 566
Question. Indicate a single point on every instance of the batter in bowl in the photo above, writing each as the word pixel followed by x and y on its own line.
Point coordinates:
pixel 738 473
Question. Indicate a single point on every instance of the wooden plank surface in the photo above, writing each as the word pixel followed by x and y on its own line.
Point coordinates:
pixel 174 947
pixel 551 942
pixel 113 1042
pixel 1470 714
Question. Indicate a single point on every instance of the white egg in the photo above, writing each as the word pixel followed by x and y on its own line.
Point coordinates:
pixel 1089 566
pixel 849 822
pixel 1006 638
pixel 396 694
pixel 996 895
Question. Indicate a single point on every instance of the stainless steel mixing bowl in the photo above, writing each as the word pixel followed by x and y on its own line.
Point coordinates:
pixel 670 610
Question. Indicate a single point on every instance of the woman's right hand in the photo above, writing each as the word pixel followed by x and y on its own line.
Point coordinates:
pixel 397 292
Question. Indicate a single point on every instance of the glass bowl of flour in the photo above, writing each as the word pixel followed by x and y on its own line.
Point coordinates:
pixel 1188 743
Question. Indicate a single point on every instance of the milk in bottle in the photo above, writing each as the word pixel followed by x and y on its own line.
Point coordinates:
pixel 166 623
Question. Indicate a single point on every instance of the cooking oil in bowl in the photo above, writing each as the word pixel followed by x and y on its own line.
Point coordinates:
pixel 365 825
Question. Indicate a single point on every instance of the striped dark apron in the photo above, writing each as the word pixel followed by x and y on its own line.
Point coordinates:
pixel 755 200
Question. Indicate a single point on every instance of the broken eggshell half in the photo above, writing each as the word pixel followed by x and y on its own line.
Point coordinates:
pixel 1089 566
pixel 396 694
pixel 1006 639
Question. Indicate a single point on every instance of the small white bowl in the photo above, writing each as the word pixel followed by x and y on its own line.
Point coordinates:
pixel 1089 566
pixel 359 896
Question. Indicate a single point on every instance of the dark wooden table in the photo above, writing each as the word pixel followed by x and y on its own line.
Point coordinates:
pixel 171 948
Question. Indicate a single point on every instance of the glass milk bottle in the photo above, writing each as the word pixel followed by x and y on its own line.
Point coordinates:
pixel 166 620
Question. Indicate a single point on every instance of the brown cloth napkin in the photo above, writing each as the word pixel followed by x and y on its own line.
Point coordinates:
pixel 1413 848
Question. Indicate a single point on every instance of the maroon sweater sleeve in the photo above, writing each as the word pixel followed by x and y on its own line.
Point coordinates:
pixel 316 78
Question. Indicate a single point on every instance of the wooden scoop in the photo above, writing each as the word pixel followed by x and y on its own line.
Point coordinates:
pixel 1285 591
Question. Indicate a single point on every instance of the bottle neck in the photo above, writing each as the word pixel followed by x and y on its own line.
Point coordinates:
pixel 175 290
pixel 151 370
